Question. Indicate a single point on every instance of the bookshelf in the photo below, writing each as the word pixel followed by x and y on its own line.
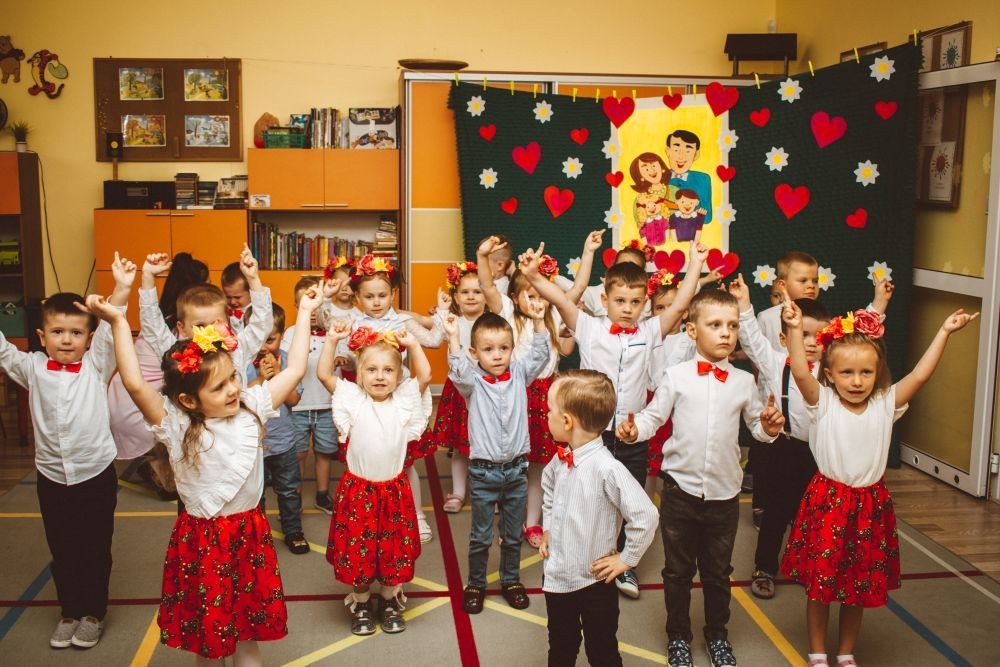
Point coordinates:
pixel 22 277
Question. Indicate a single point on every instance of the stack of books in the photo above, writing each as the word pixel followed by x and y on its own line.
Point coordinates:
pixel 232 192
pixel 324 128
pixel 387 241
pixel 278 251
pixel 186 189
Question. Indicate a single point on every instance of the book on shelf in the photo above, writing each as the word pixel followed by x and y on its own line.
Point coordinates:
pixel 277 250
pixel 186 189
pixel 231 192
pixel 323 128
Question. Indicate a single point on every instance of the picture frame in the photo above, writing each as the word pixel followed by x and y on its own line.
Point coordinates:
pixel 206 85
pixel 867 50
pixel 946 47
pixel 144 130
pixel 206 130
pixel 140 83
pixel 941 141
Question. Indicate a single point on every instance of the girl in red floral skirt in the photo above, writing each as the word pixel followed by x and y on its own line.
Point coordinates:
pixel 843 545
pixel 221 585
pixel 373 531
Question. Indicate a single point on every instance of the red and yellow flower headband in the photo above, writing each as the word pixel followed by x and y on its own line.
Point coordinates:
pixel 860 321
pixel 548 266
pixel 212 338
pixel 335 263
pixel 454 272
pixel 658 280
pixel 365 336
pixel 370 265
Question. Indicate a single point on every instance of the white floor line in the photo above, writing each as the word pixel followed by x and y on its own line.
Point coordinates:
pixel 948 567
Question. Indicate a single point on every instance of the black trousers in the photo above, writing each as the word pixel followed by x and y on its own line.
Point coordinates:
pixel 593 609
pixel 782 477
pixel 697 535
pixel 79 521
pixel 635 458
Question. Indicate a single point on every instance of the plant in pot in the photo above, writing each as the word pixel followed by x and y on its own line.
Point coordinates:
pixel 20 129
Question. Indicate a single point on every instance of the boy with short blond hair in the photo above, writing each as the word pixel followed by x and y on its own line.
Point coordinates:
pixel 797 274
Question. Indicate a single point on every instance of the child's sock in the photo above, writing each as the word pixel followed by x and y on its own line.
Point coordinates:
pixel 843 660
pixel 816 656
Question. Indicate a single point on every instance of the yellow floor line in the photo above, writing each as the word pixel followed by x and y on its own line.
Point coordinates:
pixel 527 562
pixel 149 643
pixel 353 640
pixel 793 657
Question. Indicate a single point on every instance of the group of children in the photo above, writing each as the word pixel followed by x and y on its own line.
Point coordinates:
pixel 231 398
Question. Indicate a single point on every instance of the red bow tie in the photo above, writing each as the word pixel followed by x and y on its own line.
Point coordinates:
pixel 54 365
pixel 236 312
pixel 788 362
pixel 318 332
pixel 565 454
pixel 503 377
pixel 704 367
pixel 615 329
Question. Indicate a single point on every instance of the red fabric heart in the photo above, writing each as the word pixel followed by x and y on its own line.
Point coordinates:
pixel 760 117
pixel 558 200
pixel 509 205
pixel 618 111
pixel 614 179
pixel 858 219
pixel 527 157
pixel 827 130
pixel 673 263
pixel 608 257
pixel 886 110
pixel 791 200
pixel 720 98
pixel 726 174
pixel 724 264
pixel 487 132
pixel 579 135
pixel 673 101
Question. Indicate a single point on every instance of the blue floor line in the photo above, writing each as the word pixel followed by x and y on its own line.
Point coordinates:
pixel 927 634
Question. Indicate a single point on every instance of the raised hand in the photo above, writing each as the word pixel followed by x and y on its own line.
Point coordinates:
pixel 738 289
pixel 248 263
pixel 594 241
pixel 450 324
pixel 957 320
pixel 123 271
pixel 443 301
pixel 311 299
pixel 339 330
pixel 528 262
pixel 97 305
pixel 156 263
pixel 791 314
pixel 712 276
pixel 771 419
pixel 698 252
pixel 627 431
pixel 489 246
pixel 536 309
pixel 331 287
pixel 883 293
pixel 406 339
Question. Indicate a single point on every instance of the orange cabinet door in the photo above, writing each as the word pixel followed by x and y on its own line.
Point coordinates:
pixel 360 179
pixel 292 178
pixel 214 237
pixel 10 188
pixel 134 234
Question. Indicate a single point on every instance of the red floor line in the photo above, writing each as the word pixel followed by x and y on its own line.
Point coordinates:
pixel 463 624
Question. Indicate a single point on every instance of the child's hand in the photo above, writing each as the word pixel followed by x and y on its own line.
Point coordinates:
pixel 957 320
pixel 331 287
pixel 529 261
pixel 443 301
pixel 124 272
pixel 594 241
pixel 99 306
pixel 156 263
pixel 311 299
pixel 406 339
pixel 339 361
pixel 268 366
pixel 712 276
pixel 791 314
pixel 489 246
pixel 536 310
pixel 627 431
pixel 608 568
pixel 248 264
pixel 543 548
pixel 698 252
pixel 883 293
pixel 701 211
pixel 450 324
pixel 738 289
pixel 339 330
pixel 771 419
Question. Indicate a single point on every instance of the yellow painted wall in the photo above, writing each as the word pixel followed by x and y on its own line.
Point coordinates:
pixel 337 54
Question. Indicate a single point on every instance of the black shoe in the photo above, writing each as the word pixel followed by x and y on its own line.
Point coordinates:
pixel 296 543
pixel 758 515
pixel 679 653
pixel 324 503
pixel 472 599
pixel 392 616
pixel 747 485
pixel 721 653
pixel 362 622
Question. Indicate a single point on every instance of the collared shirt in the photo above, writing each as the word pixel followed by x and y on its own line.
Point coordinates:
pixel 498 411
pixel 69 411
pixel 769 323
pixel 582 509
pixel 680 177
pixel 703 453
pixel 624 358
pixel 280 435
pixel 393 321
pixel 314 393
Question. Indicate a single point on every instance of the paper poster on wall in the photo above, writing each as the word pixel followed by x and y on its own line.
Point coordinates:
pixel 206 85
pixel 209 131
pixel 940 182
pixel 144 131
pixel 140 83
pixel 931 116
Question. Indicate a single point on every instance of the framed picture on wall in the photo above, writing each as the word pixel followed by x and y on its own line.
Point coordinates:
pixel 941 140
pixel 144 131
pixel 946 47
pixel 206 131
pixel 867 50
pixel 206 85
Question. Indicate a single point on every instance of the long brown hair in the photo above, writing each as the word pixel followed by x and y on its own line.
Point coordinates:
pixel 883 377
pixel 518 283
pixel 641 184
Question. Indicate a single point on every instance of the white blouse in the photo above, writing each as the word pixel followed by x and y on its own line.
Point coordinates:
pixel 523 338
pixel 228 476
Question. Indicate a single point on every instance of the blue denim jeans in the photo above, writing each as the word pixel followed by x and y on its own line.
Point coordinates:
pixel 281 471
pixel 506 485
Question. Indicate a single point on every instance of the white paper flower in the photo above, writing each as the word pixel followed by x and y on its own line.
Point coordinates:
pixel 476 106
pixel 611 149
pixel 879 271
pixel 488 178
pixel 572 266
pixel 572 167
pixel 826 278
pixel 543 112
pixel 613 217
pixel 882 69
pixel 725 214
pixel 866 173
pixel 727 140
pixel 764 275
pixel 790 90
pixel 777 158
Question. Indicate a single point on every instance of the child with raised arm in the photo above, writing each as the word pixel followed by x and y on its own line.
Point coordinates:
pixel 699 505
pixel 221 585
pixel 587 496
pixel 621 346
pixel 495 389
pixel 373 531
pixel 843 545
pixel 74 451
pixel 239 300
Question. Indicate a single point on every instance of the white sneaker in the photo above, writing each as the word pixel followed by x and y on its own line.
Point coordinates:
pixel 88 633
pixel 424 528
pixel 63 635
pixel 628 584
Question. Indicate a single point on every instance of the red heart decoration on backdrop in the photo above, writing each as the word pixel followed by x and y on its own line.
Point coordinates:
pixel 558 200
pixel 724 264
pixel 858 219
pixel 886 110
pixel 827 130
pixel 527 157
pixel 726 174
pixel 580 135
pixel 673 101
pixel 487 132
pixel 618 111
pixel 674 262
pixel 791 200
pixel 760 117
pixel 509 205
pixel 608 257
pixel 720 98
pixel 614 179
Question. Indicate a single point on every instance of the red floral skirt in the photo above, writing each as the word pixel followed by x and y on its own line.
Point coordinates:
pixel 415 449
pixel 543 445
pixel 221 584
pixel 656 442
pixel 373 531
pixel 451 426
pixel 843 545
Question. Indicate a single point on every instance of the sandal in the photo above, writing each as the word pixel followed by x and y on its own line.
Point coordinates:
pixel 424 530
pixel 453 503
pixel 762 585
pixel 533 534
pixel 472 599
pixel 296 543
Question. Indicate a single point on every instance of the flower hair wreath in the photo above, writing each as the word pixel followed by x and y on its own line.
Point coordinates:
pixel 548 266
pixel 365 336
pixel 212 338
pixel 454 272
pixel 370 265
pixel 658 280
pixel 860 321
pixel 336 263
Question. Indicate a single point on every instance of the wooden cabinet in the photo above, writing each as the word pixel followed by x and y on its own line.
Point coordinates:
pixel 214 237
pixel 292 178
pixel 363 180
pixel 22 272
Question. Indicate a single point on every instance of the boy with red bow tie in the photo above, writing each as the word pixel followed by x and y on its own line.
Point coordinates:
pixel 587 496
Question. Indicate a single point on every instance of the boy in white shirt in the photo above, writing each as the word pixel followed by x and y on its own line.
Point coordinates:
pixel 699 505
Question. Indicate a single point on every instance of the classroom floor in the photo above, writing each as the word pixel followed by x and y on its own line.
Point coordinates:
pixel 946 613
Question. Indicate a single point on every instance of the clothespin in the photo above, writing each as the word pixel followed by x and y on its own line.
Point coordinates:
pixel 811 70
pixel 511 87
pixel 574 93
pixel 456 78
pixel 757 79
pixel 857 58
pixel 597 95
pixel 670 90
pixel 633 94
pixel 534 89
pixel 914 37
pixel 695 93
pixel 614 93
pixel 484 83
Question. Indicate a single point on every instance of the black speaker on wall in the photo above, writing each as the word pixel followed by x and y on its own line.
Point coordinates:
pixel 113 144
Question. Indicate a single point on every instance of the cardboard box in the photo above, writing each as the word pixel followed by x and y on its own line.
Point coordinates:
pixel 373 128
